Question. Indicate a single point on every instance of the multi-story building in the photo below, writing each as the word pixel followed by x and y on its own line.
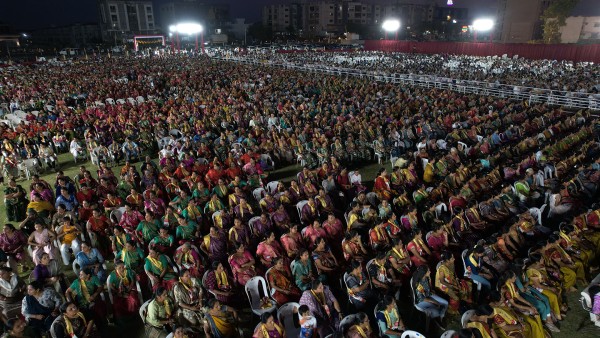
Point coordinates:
pixel 282 17
pixel 121 19
pixel 583 26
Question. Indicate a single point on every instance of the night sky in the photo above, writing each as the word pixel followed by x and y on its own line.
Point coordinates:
pixel 28 14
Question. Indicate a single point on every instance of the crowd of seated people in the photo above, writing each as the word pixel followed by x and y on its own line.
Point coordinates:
pixel 543 75
pixel 475 183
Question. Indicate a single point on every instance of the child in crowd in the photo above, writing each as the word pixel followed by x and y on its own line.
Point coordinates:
pixel 308 323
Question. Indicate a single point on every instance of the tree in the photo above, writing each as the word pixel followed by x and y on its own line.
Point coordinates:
pixel 554 17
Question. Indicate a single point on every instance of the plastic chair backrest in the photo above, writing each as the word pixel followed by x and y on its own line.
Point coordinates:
pixel 144 310
pixel 412 334
pixel 464 320
pixel 285 316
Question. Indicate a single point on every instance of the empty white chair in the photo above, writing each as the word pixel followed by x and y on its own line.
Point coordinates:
pixel 120 101
pixel 256 290
pixel 110 101
pixel 140 99
pixel 132 101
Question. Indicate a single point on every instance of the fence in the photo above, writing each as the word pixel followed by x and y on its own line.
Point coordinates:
pixel 532 95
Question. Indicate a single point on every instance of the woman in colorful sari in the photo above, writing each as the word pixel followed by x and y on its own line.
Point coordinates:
pixel 302 270
pixel 388 318
pixel 85 292
pixel 159 317
pixel 324 307
pixel 426 300
pixel 13 242
pixel 292 241
pixel 281 281
pixel 220 284
pixel 269 249
pixel 187 229
pixel 559 263
pixel 148 228
pixel 455 288
pixel 40 306
pixel 188 297
pixel 382 185
pixel 42 240
pixel 159 270
pixel 49 273
pixel 539 279
pixel 242 265
pixel 324 259
pixel 188 258
pixel 268 327
pixel 214 245
pixel 72 323
pixel 418 249
pixel 125 298
pixel 510 292
pixel 91 259
pixel 221 321
pixel 361 327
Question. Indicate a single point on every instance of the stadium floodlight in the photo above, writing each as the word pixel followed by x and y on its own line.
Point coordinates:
pixel 188 28
pixel 483 25
pixel 391 25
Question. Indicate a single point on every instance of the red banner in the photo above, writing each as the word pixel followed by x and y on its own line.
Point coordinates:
pixel 577 53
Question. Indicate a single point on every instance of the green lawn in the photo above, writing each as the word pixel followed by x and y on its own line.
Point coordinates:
pixel 576 324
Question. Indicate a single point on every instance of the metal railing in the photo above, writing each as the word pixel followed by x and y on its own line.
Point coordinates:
pixel 532 95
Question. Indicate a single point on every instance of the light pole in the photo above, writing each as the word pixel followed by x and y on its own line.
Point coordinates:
pixel 391 25
pixel 482 25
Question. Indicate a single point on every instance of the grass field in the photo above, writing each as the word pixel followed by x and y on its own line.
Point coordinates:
pixel 576 323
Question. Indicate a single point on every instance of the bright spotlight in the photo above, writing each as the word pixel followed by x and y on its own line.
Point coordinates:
pixel 189 28
pixel 482 25
pixel 391 25
pixel 172 28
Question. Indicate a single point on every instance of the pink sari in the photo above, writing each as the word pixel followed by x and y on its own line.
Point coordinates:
pixel 241 275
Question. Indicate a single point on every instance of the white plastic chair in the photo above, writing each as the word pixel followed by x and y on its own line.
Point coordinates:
pixel 144 310
pixel 464 320
pixel 448 334
pixel 140 99
pixel 267 158
pixel 252 222
pixel 29 167
pixel 214 217
pixel 258 194
pixel 415 304
pixel 412 334
pixel 120 101
pixel 132 101
pixel 286 314
pixel 272 187
pixel 439 209
pixel 254 288
pixel 110 101
pixel 299 207
pixel 537 213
